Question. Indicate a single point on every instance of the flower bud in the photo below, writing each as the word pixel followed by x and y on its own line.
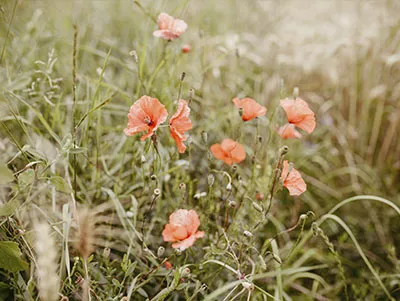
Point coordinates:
pixel 160 251
pixel 247 234
pixel 229 186
pixel 210 179
pixel 143 159
pixel 191 94
pixel 204 136
pixel 232 204
pixel 106 252
pixel 183 74
pixel 185 272
pixel 182 186
pixel 257 207
pixel 241 112
pixel 129 214
pixel 133 53
pixel 296 92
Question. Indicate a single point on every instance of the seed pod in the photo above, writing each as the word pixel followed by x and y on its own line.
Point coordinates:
pixel 283 150
pixel 183 74
pixel 153 177
pixel 157 192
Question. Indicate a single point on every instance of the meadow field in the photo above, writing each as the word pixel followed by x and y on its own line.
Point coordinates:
pixel 199 150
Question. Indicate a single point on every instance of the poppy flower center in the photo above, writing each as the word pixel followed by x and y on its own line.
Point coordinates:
pixel 148 121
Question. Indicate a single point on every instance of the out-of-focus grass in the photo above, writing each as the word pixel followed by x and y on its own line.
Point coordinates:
pixel 344 58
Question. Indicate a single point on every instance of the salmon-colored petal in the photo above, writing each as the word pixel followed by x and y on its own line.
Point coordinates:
pixel 174 232
pixel 164 21
pixel 146 114
pixel 184 244
pixel 292 180
pixel 251 109
pixel 179 217
pixel 228 144
pixel 219 153
pixel 299 114
pixel 193 222
pixel 169 27
pixel 229 151
pixel 289 131
pixel 307 124
pixel 165 34
pixel 238 153
pixel 182 229
pixel 179 124
pixel 179 27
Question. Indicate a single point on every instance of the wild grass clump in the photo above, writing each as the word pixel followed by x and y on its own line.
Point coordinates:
pixel 199 151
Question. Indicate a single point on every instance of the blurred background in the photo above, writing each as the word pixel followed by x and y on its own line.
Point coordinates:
pixel 343 56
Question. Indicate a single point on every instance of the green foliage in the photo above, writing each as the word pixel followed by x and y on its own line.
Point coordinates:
pixel 10 257
pixel 61 135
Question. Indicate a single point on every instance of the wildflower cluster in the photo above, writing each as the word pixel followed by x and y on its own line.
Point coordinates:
pixel 147 114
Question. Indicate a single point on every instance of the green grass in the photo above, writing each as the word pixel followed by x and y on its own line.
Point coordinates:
pixel 63 149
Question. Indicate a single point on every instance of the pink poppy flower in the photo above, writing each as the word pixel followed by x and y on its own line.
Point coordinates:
pixel 169 27
pixel 182 229
pixel 179 124
pixel 251 109
pixel 146 114
pixel 229 151
pixel 289 131
pixel 299 114
pixel 292 180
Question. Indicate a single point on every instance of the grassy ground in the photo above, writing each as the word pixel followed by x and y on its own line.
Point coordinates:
pixel 79 203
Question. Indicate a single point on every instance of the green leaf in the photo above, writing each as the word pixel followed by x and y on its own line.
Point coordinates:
pixel 9 208
pixel 26 178
pixel 6 175
pixel 10 257
pixel 60 184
